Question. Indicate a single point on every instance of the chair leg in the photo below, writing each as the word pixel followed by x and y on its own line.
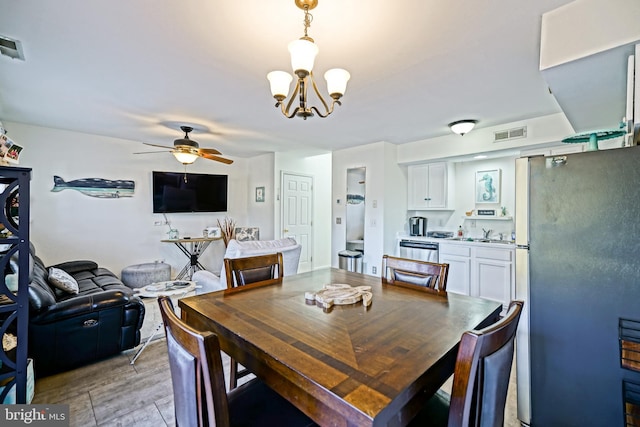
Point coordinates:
pixel 233 374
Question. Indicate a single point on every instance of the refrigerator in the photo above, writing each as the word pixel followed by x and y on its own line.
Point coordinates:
pixel 578 270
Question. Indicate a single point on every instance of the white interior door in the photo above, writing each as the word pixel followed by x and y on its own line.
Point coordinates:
pixel 297 215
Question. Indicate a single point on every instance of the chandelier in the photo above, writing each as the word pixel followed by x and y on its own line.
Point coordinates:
pixel 303 52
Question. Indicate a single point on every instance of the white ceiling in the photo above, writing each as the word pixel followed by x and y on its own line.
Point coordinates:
pixel 121 69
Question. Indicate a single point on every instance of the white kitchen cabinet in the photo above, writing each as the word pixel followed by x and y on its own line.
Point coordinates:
pixel 459 259
pixel 492 274
pixel 429 186
pixel 480 270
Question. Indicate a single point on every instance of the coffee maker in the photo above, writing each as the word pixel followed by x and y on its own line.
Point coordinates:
pixel 418 226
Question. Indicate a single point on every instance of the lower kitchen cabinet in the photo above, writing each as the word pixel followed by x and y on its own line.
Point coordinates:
pixel 492 274
pixel 481 271
pixel 459 259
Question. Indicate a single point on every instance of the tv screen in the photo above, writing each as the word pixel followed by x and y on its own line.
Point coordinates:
pixel 197 193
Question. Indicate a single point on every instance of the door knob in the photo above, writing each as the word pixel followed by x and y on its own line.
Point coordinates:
pixel 285 230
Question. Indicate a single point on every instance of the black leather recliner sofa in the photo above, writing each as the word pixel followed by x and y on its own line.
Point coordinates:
pixel 68 330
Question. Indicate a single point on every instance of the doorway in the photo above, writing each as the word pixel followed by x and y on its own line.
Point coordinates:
pixel 356 189
pixel 297 215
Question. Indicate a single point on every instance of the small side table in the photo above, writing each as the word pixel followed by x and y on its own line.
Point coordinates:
pixel 170 288
pixel 192 247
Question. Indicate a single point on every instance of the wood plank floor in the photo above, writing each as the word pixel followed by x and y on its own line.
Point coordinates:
pixel 113 392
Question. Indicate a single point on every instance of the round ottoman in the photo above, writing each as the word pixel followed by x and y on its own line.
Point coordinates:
pixel 139 275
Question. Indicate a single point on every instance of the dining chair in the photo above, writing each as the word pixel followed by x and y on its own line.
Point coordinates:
pixel 422 275
pixel 261 269
pixel 246 273
pixel 480 380
pixel 199 392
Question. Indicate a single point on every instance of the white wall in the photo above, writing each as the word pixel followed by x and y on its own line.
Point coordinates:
pixel 260 214
pixel 68 225
pixel 607 24
pixel 540 131
pixel 319 167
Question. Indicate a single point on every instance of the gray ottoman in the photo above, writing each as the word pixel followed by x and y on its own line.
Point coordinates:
pixel 139 275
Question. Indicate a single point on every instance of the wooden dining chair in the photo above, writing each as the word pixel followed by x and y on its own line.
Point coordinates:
pixel 199 393
pixel 422 275
pixel 481 378
pixel 251 272
pixel 262 269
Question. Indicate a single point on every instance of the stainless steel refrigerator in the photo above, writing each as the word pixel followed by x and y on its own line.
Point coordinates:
pixel 578 269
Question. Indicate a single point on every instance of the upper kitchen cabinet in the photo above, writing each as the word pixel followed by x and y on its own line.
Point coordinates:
pixel 430 186
pixel 587 70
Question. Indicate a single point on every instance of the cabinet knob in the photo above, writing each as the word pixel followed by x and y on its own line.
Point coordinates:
pixel 427 198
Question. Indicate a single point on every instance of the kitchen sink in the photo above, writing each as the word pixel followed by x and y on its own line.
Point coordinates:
pixel 491 241
pixel 481 240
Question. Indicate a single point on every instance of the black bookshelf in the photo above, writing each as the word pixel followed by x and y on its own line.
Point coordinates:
pixel 14 306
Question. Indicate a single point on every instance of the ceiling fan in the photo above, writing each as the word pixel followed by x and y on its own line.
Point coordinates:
pixel 187 151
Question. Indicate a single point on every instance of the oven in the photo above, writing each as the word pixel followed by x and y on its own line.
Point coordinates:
pixel 419 250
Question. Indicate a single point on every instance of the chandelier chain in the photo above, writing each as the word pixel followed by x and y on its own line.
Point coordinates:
pixel 308 18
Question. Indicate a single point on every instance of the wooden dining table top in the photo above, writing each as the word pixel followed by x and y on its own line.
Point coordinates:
pixel 349 365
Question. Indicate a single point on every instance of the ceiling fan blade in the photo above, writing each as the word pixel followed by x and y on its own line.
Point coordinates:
pixel 209 150
pixel 216 158
pixel 156 145
pixel 151 152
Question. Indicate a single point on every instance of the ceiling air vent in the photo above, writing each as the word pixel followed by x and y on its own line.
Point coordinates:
pixel 515 133
pixel 11 48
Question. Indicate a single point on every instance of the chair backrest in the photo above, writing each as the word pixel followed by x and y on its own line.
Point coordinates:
pixel 483 367
pixel 196 372
pixel 426 276
pixel 262 269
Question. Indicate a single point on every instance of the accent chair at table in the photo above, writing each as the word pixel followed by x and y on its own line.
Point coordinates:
pixel 199 392
pixel 481 379
pixel 421 275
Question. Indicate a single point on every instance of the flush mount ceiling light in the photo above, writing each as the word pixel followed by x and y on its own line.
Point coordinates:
pixel 462 126
pixel 303 52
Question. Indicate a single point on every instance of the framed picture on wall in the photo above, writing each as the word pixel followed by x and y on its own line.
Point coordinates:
pixel 488 186
pixel 259 194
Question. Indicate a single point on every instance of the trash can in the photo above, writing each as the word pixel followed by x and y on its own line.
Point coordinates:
pixel 350 261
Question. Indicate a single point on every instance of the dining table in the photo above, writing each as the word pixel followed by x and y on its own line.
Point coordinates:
pixel 357 364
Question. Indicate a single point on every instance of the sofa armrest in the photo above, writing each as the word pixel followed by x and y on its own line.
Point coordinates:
pixel 81 305
pixel 207 282
pixel 72 267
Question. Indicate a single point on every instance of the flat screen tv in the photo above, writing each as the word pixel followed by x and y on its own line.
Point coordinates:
pixel 197 193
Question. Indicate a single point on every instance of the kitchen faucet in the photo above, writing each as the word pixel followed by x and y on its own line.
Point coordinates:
pixel 486 233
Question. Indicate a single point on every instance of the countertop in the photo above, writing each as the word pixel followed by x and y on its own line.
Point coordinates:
pixel 506 244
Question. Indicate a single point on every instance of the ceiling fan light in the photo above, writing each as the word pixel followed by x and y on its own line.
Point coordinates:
pixel 303 54
pixel 337 79
pixel 280 82
pixel 185 158
pixel 462 126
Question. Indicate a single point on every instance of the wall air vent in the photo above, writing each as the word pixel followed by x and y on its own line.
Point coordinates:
pixel 505 135
pixel 11 48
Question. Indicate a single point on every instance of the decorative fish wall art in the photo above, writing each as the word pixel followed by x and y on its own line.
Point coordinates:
pixel 354 199
pixel 96 187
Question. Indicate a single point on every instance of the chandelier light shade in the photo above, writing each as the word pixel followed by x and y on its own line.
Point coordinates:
pixel 337 79
pixel 184 158
pixel 462 126
pixel 303 54
pixel 280 82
